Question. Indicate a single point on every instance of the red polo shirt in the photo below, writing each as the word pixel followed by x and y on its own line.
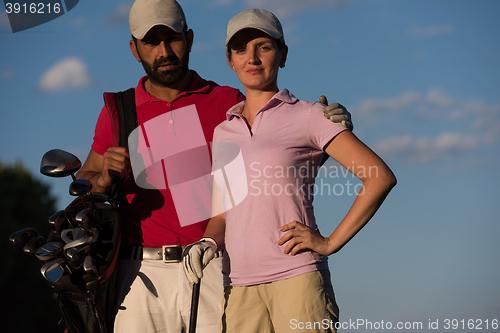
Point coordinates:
pixel 179 126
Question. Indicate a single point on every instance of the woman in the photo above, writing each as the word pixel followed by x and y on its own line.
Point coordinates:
pixel 276 273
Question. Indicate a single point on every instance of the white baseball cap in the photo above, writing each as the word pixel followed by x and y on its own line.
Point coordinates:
pixel 146 14
pixel 260 19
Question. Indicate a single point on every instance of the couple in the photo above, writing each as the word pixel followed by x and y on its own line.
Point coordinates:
pixel 274 255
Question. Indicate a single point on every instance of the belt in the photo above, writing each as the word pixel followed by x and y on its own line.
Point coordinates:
pixel 167 253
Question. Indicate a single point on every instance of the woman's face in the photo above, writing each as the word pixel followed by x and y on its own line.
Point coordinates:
pixel 256 59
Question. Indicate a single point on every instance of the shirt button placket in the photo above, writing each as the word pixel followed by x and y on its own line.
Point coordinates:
pixel 171 121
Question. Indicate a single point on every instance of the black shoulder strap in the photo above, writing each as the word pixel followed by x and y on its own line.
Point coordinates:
pixel 127 120
pixel 127 114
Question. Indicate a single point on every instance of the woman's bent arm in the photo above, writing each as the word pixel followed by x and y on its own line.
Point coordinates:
pixel 378 180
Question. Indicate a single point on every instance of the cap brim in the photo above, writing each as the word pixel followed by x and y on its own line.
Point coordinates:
pixel 143 29
pixel 270 33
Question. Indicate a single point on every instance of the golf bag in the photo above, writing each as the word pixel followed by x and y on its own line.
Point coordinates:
pixel 81 251
pixel 89 305
pixel 87 302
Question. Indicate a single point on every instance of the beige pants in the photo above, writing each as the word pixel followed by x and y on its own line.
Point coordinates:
pixel 305 303
pixel 156 297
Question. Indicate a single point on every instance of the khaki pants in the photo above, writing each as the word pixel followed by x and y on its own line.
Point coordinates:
pixel 305 303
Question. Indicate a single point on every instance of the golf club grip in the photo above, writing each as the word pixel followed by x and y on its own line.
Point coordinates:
pixel 194 307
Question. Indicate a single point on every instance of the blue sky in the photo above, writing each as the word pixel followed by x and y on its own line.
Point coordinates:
pixel 421 79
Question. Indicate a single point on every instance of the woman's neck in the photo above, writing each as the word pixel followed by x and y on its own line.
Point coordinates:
pixel 255 100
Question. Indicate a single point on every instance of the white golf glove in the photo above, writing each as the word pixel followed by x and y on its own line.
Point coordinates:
pixel 196 257
pixel 337 113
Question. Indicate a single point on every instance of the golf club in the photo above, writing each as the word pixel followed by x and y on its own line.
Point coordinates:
pixel 49 251
pixel 80 187
pixel 79 241
pixel 194 307
pixel 84 218
pixel 76 255
pixel 20 238
pixel 90 267
pixel 60 163
pixel 56 221
pixel 71 234
pixel 33 245
pixel 195 297
pixel 77 250
pixel 53 270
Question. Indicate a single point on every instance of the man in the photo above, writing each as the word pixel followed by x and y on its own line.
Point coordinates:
pixel 169 189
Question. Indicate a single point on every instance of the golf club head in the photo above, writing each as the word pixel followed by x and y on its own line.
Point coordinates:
pixel 79 241
pixel 20 238
pixel 33 245
pixel 84 218
pixel 67 235
pixel 76 255
pixel 79 233
pixel 71 234
pixel 56 221
pixel 59 163
pixel 80 187
pixel 90 267
pixel 49 251
pixel 53 270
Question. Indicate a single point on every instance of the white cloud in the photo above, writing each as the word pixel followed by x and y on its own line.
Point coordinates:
pixel 439 98
pixel 430 31
pixel 373 105
pixel 435 104
pixel 475 124
pixel 67 73
pixel 78 22
pixel 423 150
pixel 120 14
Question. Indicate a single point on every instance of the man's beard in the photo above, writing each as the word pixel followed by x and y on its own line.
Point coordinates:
pixel 166 78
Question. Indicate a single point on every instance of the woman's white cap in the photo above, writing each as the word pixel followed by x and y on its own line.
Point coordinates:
pixel 260 19
pixel 146 14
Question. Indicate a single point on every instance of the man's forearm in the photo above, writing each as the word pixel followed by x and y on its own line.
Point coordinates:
pixel 94 178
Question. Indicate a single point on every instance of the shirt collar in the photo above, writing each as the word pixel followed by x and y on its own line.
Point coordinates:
pixel 282 96
pixel 197 85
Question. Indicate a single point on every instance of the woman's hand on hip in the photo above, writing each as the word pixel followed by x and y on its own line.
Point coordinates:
pixel 302 238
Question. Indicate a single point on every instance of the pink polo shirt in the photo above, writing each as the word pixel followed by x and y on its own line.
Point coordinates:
pixel 268 181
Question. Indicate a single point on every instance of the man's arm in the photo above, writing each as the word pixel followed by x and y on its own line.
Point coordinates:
pixel 101 170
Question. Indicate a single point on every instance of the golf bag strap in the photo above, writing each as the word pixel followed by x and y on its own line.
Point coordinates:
pixel 122 113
